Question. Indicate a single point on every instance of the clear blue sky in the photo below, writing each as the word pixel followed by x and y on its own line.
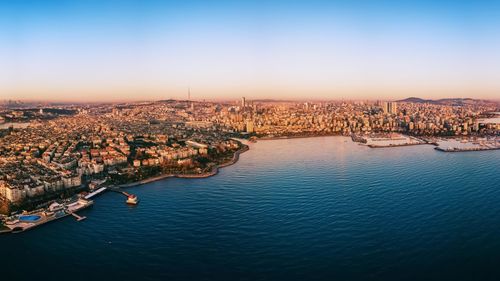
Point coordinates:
pixel 136 50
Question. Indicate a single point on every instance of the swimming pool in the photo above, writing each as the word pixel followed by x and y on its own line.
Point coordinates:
pixel 30 218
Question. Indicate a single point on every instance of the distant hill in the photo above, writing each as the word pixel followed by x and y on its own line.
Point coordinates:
pixel 448 101
pixel 416 100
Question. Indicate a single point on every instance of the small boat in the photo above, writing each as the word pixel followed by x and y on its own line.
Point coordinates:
pixel 132 200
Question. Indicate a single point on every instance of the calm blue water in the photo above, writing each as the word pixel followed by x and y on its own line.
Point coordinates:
pixel 301 209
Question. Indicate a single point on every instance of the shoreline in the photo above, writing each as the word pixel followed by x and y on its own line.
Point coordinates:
pixel 465 149
pixel 214 171
pixel 397 145
pixel 300 137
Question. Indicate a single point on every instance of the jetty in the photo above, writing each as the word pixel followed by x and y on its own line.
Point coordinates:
pixel 131 198
pixel 78 218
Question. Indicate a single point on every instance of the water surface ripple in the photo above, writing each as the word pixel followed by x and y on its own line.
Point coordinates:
pixel 300 209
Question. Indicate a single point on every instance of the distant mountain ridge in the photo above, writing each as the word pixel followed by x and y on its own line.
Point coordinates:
pixel 447 101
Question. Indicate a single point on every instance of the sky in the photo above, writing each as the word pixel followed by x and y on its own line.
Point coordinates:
pixel 121 50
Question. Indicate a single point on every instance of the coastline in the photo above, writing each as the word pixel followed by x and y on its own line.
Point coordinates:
pixel 465 149
pixel 214 171
pixel 300 137
pixel 397 145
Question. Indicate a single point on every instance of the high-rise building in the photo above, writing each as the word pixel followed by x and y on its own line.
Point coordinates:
pixel 390 107
pixel 250 126
pixel 385 107
pixel 243 102
pixel 393 107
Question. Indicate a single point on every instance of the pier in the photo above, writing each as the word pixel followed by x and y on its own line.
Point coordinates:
pixel 131 198
pixel 78 218
pixel 100 190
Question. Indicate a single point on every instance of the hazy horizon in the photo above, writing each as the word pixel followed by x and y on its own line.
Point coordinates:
pixel 118 51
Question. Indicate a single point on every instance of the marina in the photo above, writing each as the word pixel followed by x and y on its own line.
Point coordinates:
pixel 386 140
pixel 462 145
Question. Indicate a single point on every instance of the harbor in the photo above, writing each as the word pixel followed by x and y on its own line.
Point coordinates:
pixel 465 144
pixel 386 140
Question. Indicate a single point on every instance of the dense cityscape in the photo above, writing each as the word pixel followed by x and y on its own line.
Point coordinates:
pixel 250 140
pixel 62 150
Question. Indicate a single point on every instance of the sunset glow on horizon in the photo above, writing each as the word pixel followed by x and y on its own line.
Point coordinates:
pixel 148 50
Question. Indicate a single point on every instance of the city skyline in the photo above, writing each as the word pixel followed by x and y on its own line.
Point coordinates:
pixel 249 139
pixel 96 51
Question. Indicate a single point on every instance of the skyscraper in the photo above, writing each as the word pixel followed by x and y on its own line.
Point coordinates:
pixel 385 107
pixel 393 107
pixel 390 107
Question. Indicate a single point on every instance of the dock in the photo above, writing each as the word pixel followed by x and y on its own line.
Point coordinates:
pixel 92 194
pixel 131 198
pixel 78 218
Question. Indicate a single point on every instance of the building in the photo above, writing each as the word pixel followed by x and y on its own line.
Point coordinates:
pixel 390 107
pixel 196 144
pixel 393 107
pixel 250 126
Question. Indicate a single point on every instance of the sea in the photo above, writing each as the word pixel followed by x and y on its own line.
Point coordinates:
pixel 321 208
